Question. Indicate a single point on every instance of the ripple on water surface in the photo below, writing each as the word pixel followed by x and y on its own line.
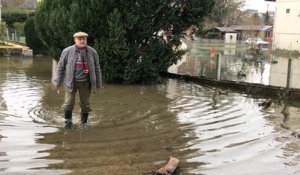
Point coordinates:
pixel 133 129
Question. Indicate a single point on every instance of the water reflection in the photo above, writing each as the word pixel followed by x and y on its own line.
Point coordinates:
pixel 133 129
pixel 20 91
pixel 237 64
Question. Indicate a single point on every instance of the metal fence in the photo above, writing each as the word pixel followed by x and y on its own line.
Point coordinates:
pixel 238 62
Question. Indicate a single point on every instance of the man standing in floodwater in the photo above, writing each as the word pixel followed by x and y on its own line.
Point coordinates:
pixel 79 69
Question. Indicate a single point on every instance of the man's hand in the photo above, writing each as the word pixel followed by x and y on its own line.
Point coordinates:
pixel 97 89
pixel 57 88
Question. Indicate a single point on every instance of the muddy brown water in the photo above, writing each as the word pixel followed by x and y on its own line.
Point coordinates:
pixel 134 129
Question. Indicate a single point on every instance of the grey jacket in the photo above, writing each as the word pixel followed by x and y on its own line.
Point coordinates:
pixel 66 66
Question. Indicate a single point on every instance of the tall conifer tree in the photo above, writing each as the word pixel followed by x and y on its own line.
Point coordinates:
pixel 125 33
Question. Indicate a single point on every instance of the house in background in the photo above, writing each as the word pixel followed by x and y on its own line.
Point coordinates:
pixel 221 31
pixel 262 31
pixel 234 33
pixel 287 23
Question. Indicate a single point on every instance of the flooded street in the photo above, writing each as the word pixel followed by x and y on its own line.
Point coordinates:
pixel 237 63
pixel 133 129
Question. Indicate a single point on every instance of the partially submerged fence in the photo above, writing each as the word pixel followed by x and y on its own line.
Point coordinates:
pixel 235 66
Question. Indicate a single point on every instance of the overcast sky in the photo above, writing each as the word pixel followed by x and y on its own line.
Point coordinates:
pixel 260 5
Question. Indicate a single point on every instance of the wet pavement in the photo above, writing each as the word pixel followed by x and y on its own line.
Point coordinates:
pixel 135 128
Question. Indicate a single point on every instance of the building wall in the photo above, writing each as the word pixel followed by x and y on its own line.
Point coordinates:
pixel 230 38
pixel 278 73
pixel 287 25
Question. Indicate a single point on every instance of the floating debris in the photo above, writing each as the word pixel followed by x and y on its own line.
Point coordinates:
pixel 266 104
pixel 168 169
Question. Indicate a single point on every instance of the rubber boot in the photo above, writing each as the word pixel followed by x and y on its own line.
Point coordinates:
pixel 68 119
pixel 84 118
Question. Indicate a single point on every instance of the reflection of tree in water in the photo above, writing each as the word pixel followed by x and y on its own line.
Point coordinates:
pixel 242 73
pixel 285 116
pixel 2 102
pixel 234 66
pixel 206 65
pixel 246 68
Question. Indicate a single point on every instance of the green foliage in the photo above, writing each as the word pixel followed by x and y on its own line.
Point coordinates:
pixel 267 19
pixel 19 28
pixel 12 17
pixel 213 35
pixel 3 30
pixel 33 40
pixel 200 32
pixel 125 33
pixel 15 19
pixel 3 37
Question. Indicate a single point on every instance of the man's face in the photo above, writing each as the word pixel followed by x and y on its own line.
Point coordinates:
pixel 80 42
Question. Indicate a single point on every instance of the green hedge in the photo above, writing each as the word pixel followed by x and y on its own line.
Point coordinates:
pixel 12 17
pixel 33 40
